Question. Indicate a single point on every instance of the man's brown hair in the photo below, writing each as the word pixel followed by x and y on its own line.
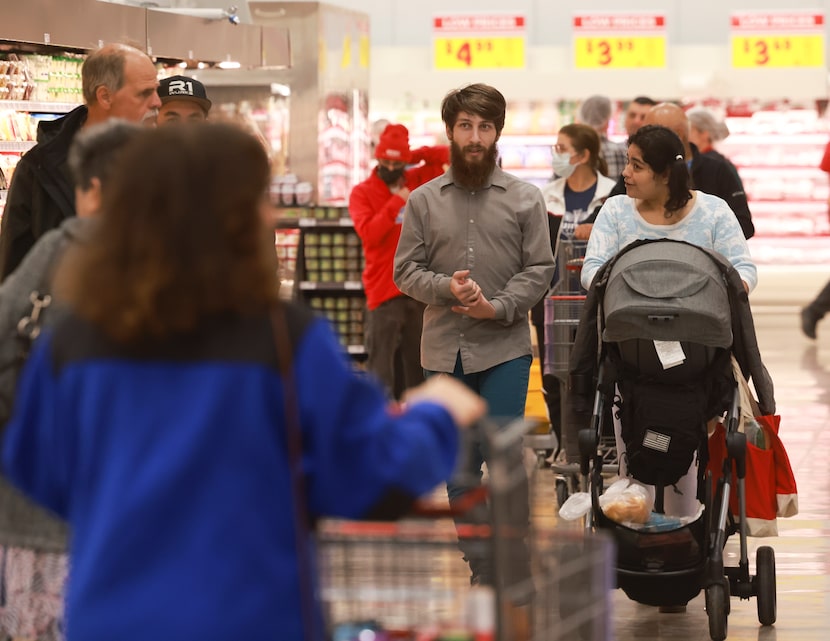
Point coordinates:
pixel 479 100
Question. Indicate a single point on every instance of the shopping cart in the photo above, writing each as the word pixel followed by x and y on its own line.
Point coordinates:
pixel 562 312
pixel 408 580
pixel 569 256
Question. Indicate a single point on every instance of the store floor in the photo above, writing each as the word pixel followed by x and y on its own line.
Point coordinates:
pixel 801 371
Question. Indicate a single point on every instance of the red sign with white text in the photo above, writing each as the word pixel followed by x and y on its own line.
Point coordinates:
pixel 619 22
pixel 478 23
pixel 777 21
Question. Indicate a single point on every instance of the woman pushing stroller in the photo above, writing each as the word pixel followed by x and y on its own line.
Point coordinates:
pixel 660 203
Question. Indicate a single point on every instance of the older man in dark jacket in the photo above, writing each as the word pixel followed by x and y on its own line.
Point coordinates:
pixel 710 174
pixel 118 81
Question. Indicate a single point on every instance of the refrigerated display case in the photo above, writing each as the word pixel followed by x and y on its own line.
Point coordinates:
pixel 329 144
pixel 777 154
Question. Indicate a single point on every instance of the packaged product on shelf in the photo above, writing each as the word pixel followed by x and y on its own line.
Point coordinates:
pixel 303 193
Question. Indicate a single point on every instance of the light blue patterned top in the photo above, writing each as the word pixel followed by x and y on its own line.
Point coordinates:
pixel 710 224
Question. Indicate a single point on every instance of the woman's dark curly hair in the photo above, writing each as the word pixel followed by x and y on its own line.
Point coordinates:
pixel 663 151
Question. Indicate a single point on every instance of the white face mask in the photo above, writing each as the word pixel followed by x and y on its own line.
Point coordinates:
pixel 562 164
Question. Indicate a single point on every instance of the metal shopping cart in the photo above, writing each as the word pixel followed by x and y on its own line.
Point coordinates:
pixel 407 580
pixel 562 312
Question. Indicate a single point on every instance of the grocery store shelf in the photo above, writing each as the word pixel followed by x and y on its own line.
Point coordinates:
pixel 33 106
pixel 349 285
pixel 16 145
pixel 778 169
pixel 542 173
pixel 775 140
pixel 318 222
pixel 541 140
pixel 294 223
pixel 789 205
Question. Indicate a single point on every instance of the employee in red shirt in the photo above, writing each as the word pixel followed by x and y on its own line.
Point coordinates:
pixel 393 321
pixel 820 305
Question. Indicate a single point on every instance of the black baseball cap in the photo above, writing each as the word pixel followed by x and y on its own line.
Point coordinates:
pixel 183 88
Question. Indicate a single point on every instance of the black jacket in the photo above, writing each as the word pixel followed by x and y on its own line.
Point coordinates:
pixel 586 354
pixel 41 195
pixel 712 174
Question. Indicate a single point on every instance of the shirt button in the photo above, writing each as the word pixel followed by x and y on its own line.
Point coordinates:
pixel 461 334
pixel 471 221
pixel 471 249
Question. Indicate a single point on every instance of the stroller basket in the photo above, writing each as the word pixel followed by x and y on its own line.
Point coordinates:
pixel 675 557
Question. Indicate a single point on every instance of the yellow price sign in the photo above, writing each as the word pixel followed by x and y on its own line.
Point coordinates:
pixel 496 52
pixel 365 50
pixel 619 52
pixel 770 50
pixel 346 58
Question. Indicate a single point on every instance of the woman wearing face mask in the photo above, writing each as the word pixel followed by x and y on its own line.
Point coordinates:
pixel 571 200
pixel 581 185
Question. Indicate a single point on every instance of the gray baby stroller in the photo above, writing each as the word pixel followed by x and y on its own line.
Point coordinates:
pixel 659 326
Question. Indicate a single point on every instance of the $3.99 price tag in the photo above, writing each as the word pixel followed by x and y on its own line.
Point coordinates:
pixel 497 52
pixel 619 52
pixel 797 50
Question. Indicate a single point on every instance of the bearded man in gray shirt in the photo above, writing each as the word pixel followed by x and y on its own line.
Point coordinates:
pixel 475 249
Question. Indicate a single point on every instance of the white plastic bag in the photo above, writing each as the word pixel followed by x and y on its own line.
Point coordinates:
pixel 627 502
pixel 577 506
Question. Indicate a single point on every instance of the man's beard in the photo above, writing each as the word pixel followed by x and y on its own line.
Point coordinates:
pixel 475 174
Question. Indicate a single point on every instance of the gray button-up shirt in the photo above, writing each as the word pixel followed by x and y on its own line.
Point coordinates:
pixel 500 233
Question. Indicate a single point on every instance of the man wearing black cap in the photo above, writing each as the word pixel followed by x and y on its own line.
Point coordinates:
pixel 183 99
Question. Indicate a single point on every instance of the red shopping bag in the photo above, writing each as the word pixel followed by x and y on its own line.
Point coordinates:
pixel 786 491
pixel 770 484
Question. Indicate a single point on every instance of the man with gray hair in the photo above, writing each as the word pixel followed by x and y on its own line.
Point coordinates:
pixel 118 81
pixel 596 112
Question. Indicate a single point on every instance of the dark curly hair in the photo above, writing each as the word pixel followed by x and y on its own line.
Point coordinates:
pixel 663 151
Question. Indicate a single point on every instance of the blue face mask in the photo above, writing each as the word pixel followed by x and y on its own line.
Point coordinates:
pixel 562 164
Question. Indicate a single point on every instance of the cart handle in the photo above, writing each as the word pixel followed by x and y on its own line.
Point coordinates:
pixel 424 508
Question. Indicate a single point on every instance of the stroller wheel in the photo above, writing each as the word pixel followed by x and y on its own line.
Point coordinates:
pixel 764 584
pixel 716 600
pixel 561 491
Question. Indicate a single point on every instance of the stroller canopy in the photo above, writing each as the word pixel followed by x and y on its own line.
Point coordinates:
pixel 669 291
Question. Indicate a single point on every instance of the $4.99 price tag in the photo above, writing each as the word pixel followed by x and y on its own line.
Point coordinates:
pixel 619 52
pixel 796 50
pixel 496 52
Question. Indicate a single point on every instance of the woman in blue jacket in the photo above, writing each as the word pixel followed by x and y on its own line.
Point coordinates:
pixel 153 416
